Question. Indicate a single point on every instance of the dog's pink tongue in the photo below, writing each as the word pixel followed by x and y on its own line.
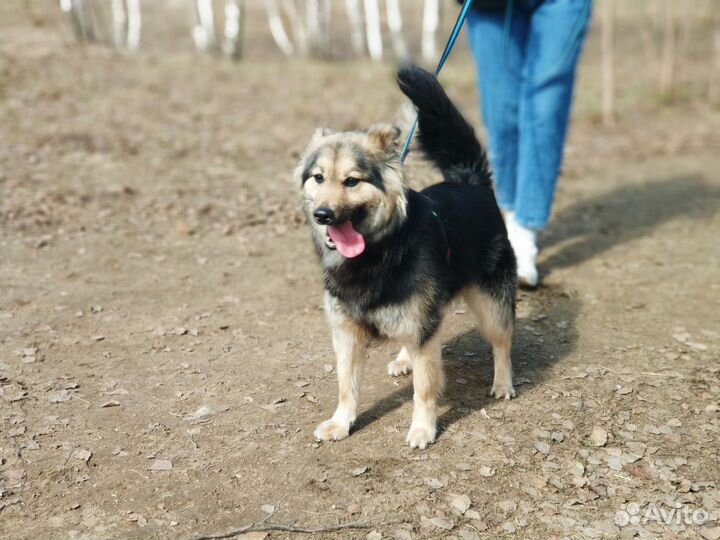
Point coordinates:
pixel 348 241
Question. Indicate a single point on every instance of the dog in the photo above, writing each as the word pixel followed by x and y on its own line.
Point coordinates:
pixel 394 258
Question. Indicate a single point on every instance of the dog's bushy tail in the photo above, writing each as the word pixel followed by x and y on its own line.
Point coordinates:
pixel 445 136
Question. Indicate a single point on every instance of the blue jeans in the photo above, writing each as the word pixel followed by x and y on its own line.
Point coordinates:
pixel 526 57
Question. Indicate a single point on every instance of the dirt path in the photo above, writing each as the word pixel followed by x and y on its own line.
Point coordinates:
pixel 161 309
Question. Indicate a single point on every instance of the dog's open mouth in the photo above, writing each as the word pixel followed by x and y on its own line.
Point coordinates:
pixel 329 242
pixel 345 239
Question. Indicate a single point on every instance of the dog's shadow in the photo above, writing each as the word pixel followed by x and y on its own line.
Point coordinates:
pixel 547 333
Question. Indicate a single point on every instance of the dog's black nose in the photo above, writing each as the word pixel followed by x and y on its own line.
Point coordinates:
pixel 324 216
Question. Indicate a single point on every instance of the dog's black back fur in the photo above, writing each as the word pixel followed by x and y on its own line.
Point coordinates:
pixel 454 235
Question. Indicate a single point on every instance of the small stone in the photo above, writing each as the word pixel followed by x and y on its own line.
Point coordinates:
pixel 111 403
pixel 82 454
pixel 59 396
pixel 359 471
pixel 373 535
pixel 433 483
pixel 461 503
pixel 486 471
pixel 201 412
pixel 268 508
pixel 710 533
pixel 599 436
pixel 353 509
pixel 542 447
pixel 557 436
pixel 161 465
pixel 442 523
pixel 507 506
pixel 472 514
pixel 468 534
pixel 137 518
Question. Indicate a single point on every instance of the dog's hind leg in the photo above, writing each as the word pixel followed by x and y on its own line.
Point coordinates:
pixel 350 349
pixel 496 320
pixel 428 382
pixel 402 365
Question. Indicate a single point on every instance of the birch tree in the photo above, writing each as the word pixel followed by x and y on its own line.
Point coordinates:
pixel 355 19
pixel 431 20
pixel 233 28
pixel 394 21
pixel 134 24
pixel 372 27
pixel 277 28
pixel 204 30
pixel 714 83
pixel 81 19
pixel 318 15
pixel 119 23
pixel 607 62
pixel 295 15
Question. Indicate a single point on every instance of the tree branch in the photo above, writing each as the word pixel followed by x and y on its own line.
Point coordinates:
pixel 285 528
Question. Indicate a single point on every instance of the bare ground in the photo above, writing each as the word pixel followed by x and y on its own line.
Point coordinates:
pixel 160 302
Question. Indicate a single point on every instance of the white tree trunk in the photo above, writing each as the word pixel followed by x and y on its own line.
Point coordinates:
pixel 119 23
pixel 394 20
pixel 134 24
pixel 318 26
pixel 714 83
pixel 234 20
pixel 297 23
pixel 357 33
pixel 667 55
pixel 81 18
pixel 277 29
pixel 204 31
pixel 608 68
pixel 374 35
pixel 431 18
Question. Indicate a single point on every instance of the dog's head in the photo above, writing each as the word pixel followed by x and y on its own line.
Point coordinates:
pixel 352 187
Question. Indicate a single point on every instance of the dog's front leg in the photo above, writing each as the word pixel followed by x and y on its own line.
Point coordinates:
pixel 428 382
pixel 349 344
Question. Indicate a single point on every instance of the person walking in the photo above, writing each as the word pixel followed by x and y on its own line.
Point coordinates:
pixel 526 53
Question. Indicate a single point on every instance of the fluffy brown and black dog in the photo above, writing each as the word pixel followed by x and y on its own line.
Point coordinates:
pixel 394 258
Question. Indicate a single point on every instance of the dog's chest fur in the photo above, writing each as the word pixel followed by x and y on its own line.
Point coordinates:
pixel 403 321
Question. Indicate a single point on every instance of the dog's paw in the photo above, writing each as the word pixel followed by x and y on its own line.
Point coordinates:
pixel 501 391
pixel 420 437
pixel 399 366
pixel 330 430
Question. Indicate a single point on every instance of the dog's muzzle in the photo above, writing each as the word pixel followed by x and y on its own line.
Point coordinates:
pixel 324 216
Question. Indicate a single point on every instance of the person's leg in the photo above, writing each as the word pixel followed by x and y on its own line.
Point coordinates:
pixel 555 37
pixel 497 41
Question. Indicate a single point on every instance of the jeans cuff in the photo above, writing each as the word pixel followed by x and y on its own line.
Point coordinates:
pixel 534 224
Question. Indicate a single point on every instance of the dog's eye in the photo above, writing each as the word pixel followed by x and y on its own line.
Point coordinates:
pixel 351 182
pixel 318 178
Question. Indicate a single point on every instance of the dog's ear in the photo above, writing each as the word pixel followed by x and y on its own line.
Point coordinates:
pixel 384 137
pixel 319 134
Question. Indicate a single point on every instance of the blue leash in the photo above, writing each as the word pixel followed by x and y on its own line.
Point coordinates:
pixel 446 53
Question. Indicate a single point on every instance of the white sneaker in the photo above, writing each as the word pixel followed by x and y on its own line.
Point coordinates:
pixel 524 244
